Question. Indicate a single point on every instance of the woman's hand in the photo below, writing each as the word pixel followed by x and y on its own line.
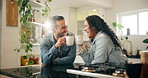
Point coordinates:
pixel 80 48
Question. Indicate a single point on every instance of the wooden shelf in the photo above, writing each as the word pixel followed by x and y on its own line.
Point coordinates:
pixel 36 44
pixel 36 4
pixel 36 24
pixel 34 65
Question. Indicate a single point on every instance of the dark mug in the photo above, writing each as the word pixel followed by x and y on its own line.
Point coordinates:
pixel 133 70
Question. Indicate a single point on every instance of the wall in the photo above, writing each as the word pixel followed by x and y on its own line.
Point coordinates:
pixel 10 40
pixel 72 20
pixel 0 29
pixel 1 10
pixel 87 9
pixel 125 6
pixel 63 12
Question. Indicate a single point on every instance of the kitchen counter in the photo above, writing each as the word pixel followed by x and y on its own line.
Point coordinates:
pixel 22 72
pixel 62 71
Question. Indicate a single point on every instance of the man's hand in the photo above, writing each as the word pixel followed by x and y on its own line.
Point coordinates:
pixel 61 41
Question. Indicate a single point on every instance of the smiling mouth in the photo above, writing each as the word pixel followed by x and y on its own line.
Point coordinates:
pixel 86 32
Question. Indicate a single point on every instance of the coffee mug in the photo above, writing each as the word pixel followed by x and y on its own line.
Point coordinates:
pixel 79 39
pixel 133 70
pixel 69 40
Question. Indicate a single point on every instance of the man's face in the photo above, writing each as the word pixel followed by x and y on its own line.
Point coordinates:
pixel 61 28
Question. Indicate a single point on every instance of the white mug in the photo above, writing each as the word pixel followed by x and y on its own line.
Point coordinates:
pixel 79 39
pixel 69 40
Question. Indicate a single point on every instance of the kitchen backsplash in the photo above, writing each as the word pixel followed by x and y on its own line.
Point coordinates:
pixel 137 42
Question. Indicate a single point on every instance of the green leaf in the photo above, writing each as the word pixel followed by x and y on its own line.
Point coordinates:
pixel 43 14
pixel 30 16
pixel 43 10
pixel 31 62
pixel 23 36
pixel 25 57
pixel 46 10
pixel 126 37
pixel 30 7
pixel 20 2
pixel 21 19
pixel 145 41
pixel 49 0
pixel 26 50
pixel 114 24
pixel 30 45
pixel 27 32
pixel 120 26
pixel 18 50
pixel 20 11
pixel 30 49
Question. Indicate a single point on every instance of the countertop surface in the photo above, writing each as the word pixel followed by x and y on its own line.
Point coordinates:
pixel 56 71
pixel 22 72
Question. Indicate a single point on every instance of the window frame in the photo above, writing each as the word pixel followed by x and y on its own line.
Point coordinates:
pixel 137 12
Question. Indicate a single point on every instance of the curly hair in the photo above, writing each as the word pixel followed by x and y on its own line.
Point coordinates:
pixel 100 25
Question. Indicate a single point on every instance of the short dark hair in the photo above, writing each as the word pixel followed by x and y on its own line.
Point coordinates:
pixel 54 19
pixel 57 18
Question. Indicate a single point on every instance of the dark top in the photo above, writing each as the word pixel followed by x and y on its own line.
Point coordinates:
pixel 51 55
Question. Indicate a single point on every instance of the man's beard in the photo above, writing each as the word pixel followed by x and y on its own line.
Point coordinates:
pixel 61 35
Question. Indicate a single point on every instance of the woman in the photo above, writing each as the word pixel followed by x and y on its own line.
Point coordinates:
pixel 105 45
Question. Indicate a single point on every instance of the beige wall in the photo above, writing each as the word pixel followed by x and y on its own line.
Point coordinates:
pixel 0 29
pixel 10 40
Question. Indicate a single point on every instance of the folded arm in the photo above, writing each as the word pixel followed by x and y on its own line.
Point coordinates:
pixel 48 52
pixel 69 59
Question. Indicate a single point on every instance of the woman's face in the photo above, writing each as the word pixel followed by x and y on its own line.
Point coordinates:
pixel 91 31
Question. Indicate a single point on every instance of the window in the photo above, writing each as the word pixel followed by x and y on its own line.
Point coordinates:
pixel 143 22
pixel 135 23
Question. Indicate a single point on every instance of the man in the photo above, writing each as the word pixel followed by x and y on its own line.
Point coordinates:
pixel 53 47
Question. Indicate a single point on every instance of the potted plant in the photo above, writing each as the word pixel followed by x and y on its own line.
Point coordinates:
pixel 25 11
pixel 120 27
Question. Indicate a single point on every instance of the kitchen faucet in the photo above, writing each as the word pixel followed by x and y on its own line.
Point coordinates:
pixel 127 41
